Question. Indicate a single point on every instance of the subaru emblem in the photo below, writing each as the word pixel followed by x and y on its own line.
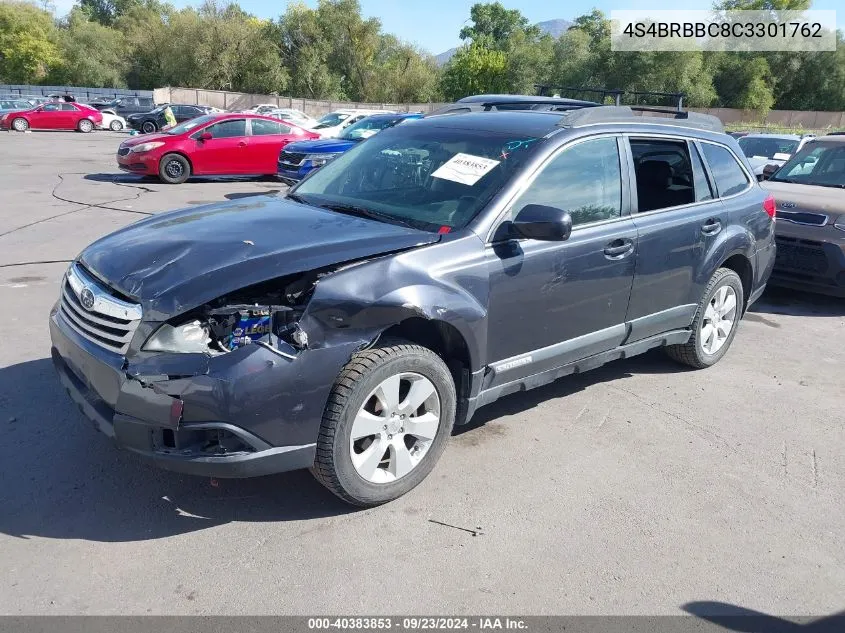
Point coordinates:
pixel 86 298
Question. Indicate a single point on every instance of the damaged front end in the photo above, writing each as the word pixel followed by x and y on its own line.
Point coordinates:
pixel 228 389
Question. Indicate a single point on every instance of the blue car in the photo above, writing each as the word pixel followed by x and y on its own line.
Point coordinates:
pixel 299 159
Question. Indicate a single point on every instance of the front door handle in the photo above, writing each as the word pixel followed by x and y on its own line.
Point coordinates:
pixel 711 227
pixel 242 144
pixel 617 249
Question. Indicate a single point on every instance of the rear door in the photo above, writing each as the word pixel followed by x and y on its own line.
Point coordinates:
pixel 265 142
pixel 70 116
pixel 678 219
pixel 225 153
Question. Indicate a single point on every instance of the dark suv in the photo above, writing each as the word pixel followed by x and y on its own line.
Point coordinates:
pixel 442 264
pixel 153 121
pixel 124 106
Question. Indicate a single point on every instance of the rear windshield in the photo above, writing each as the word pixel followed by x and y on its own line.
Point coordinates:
pixel 433 178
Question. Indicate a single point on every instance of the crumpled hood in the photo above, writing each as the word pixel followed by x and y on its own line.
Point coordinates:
pixel 176 261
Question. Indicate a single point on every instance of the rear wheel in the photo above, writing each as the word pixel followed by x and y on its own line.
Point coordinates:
pixel 20 125
pixel 85 126
pixel 148 127
pixel 715 323
pixel 174 169
pixel 386 423
pixel 115 126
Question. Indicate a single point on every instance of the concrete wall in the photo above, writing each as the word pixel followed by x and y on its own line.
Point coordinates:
pixel 238 101
pixel 80 92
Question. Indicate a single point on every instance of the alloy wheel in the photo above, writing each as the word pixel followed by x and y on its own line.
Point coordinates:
pixel 395 427
pixel 20 125
pixel 719 319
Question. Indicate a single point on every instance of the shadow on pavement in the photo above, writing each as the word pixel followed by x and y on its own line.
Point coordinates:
pixel 796 303
pixel 62 479
pixel 734 618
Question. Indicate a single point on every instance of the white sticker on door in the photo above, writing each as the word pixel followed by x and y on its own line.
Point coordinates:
pixel 465 168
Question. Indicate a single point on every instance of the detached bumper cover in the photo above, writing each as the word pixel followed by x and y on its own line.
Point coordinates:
pixel 148 422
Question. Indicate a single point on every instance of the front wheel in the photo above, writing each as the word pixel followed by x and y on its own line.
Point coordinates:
pixel 115 126
pixel 715 323
pixel 174 169
pixel 85 126
pixel 20 125
pixel 386 423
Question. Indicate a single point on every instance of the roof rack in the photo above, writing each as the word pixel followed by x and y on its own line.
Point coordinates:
pixel 622 114
pixel 616 94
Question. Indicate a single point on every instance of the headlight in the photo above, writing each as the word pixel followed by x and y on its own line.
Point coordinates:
pixel 840 223
pixel 191 337
pixel 318 160
pixel 145 147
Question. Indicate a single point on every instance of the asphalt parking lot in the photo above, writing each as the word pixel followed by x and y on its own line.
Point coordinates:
pixel 635 489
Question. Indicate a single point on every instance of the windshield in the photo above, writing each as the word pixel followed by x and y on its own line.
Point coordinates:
pixel 817 163
pixel 331 120
pixel 429 177
pixel 768 147
pixel 365 128
pixel 189 125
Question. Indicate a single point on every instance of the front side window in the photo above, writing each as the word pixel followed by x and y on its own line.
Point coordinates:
pixel 664 174
pixel 729 176
pixel 51 107
pixel 228 129
pixel 584 179
pixel 430 177
pixel 260 127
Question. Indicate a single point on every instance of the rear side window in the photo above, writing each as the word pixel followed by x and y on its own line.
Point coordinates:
pixel 702 184
pixel 228 129
pixel 729 176
pixel 584 179
pixel 68 107
pixel 664 174
pixel 260 127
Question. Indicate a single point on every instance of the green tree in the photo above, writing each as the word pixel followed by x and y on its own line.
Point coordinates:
pixel 493 24
pixel 474 69
pixel 91 54
pixel 27 42
pixel 305 51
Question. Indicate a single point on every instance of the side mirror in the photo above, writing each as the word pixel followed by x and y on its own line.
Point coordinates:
pixel 541 222
pixel 206 136
pixel 769 170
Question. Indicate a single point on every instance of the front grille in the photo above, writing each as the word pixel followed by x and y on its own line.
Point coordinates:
pixel 110 322
pixel 802 217
pixel 291 159
pixel 801 255
pixel 123 151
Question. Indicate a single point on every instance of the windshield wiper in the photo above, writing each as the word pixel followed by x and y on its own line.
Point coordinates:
pixel 296 198
pixel 352 209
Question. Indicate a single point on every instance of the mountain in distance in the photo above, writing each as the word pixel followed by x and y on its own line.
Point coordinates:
pixel 555 28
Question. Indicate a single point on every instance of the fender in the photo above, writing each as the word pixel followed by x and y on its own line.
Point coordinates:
pixel 734 240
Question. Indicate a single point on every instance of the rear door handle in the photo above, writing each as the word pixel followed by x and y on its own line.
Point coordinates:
pixel 711 227
pixel 618 248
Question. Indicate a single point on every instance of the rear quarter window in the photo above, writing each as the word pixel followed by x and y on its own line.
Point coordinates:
pixel 729 176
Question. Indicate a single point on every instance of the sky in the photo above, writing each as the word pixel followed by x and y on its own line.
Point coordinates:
pixel 434 24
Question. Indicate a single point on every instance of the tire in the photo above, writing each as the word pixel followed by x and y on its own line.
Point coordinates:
pixel 368 372
pixel 148 127
pixel 695 352
pixel 85 126
pixel 115 126
pixel 20 125
pixel 174 169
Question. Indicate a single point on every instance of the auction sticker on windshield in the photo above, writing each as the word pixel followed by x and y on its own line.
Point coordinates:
pixel 465 168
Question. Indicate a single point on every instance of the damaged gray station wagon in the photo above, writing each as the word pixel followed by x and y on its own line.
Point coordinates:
pixel 424 273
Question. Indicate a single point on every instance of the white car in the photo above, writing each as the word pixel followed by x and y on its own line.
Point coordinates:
pixel 770 149
pixel 112 121
pixel 297 117
pixel 333 123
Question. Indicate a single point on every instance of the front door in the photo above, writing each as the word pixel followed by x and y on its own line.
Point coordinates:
pixel 552 303
pixel 47 117
pixel 226 152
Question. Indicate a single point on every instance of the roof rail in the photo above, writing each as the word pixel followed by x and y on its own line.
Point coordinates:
pixel 623 114
pixel 616 94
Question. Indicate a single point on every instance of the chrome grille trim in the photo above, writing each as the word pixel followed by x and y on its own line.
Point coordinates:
pixel 110 322
pixel 805 218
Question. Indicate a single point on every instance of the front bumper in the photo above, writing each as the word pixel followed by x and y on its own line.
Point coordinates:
pixel 810 259
pixel 146 163
pixel 146 420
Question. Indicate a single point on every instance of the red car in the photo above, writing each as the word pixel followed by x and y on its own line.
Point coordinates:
pixel 211 145
pixel 53 116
